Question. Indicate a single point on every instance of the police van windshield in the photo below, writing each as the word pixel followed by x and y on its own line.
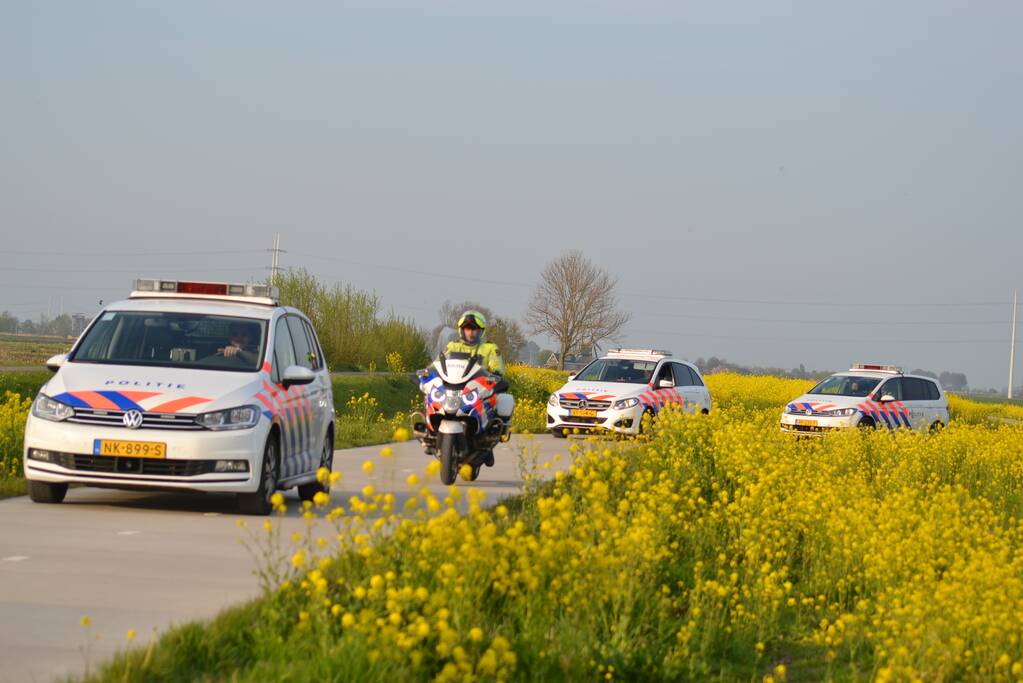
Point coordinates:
pixel 174 340
pixel 846 385
pixel 618 370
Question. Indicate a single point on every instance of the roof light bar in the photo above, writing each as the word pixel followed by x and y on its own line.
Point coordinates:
pixel 876 368
pixel 633 353
pixel 149 287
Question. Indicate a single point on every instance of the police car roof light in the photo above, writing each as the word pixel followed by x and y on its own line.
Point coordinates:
pixel 149 287
pixel 873 367
pixel 646 353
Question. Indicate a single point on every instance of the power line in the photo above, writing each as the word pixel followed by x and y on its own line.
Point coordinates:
pixel 133 253
pixel 837 340
pixel 646 295
pixel 211 269
pixel 819 322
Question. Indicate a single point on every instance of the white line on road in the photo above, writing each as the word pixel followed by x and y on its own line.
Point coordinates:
pixel 15 558
pixel 127 533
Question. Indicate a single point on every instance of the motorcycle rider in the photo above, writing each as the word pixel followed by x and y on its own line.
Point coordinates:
pixel 472 328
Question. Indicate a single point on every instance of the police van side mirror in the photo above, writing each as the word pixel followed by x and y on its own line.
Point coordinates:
pixel 887 398
pixel 571 376
pixel 296 374
pixel 665 384
pixel 54 363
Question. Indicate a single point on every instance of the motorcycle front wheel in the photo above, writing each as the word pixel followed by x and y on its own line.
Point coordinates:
pixel 448 458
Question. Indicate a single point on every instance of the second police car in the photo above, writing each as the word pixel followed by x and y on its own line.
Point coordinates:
pixel 614 392
pixel 190 386
pixel 869 396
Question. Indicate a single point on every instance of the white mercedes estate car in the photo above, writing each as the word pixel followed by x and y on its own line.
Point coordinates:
pixel 613 393
pixel 191 386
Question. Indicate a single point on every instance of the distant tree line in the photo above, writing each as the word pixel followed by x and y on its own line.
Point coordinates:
pixel 951 381
pixel 61 326
pixel 715 364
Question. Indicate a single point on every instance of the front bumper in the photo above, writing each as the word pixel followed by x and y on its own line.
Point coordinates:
pixel 625 421
pixel 815 425
pixel 190 461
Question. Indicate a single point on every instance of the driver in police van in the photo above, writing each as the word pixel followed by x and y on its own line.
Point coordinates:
pixel 241 342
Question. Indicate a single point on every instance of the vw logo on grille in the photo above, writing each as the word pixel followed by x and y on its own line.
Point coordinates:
pixel 132 419
pixel 809 411
pixel 583 403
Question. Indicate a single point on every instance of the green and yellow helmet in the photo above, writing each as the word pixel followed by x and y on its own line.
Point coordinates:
pixel 472 319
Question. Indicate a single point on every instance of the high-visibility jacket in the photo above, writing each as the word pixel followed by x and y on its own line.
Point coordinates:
pixel 489 354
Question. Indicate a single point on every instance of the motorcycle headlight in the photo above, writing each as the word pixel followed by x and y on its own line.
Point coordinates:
pixel 470 397
pixel 624 403
pixel 49 409
pixel 553 400
pixel 244 417
pixel 437 395
pixel 452 402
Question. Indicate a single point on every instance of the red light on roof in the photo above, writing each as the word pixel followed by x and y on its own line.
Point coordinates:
pixel 201 288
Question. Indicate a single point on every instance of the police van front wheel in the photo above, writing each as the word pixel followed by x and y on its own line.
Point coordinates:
pixel 45 492
pixel 258 502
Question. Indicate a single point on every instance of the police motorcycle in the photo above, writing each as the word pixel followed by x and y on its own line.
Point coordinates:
pixel 466 413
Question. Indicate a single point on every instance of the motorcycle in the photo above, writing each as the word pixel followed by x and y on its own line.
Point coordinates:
pixel 465 413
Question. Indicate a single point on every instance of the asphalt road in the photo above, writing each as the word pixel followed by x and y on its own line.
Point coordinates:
pixel 147 561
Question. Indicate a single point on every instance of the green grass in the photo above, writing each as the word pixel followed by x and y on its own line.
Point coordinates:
pixel 393 393
pixel 25 383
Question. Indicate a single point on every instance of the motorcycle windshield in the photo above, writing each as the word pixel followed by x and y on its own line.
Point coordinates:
pixel 458 368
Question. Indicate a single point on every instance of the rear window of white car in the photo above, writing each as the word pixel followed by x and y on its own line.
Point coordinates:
pixel 174 340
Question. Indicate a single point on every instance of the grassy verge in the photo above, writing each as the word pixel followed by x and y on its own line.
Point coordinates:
pixel 716 548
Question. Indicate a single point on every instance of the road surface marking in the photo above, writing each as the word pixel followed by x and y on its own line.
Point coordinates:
pixel 127 533
pixel 15 558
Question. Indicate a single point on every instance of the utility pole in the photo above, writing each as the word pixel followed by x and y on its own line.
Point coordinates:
pixel 1012 343
pixel 275 258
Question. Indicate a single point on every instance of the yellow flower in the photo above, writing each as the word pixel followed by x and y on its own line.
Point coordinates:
pixel 298 559
pixel 476 634
pixel 368 490
pixel 335 477
pixel 323 475
pixel 412 480
pixel 321 498
pixel 85 621
pixel 130 635
pixel 400 434
pixel 386 452
pixel 277 500
pixel 368 467
pixel 348 620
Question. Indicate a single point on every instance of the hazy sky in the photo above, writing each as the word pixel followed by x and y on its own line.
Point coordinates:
pixel 772 182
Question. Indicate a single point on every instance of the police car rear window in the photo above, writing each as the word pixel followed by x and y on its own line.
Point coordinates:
pixel 174 340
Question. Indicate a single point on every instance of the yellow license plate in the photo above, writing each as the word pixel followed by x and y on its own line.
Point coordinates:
pixel 806 423
pixel 584 413
pixel 129 449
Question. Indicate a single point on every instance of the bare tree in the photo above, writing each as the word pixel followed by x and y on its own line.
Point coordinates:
pixel 575 303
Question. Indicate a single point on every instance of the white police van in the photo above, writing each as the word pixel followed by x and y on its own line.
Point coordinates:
pixel 195 386
pixel 614 392
pixel 870 396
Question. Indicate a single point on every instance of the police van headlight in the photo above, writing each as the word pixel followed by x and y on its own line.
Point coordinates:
pixel 552 400
pixel 792 410
pixel 839 412
pixel 243 417
pixel 50 409
pixel 624 403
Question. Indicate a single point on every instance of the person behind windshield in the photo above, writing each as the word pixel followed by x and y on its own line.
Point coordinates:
pixel 241 343
pixel 472 329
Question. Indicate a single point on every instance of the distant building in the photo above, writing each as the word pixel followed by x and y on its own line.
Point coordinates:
pixel 78 323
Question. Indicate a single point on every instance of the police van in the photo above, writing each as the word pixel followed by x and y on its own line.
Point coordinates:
pixel 197 386
pixel 615 392
pixel 870 396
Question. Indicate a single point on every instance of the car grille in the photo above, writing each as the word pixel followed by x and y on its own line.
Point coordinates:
pixel 572 419
pixel 590 405
pixel 113 418
pixel 148 466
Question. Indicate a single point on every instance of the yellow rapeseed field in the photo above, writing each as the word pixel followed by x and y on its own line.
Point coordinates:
pixel 714 548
